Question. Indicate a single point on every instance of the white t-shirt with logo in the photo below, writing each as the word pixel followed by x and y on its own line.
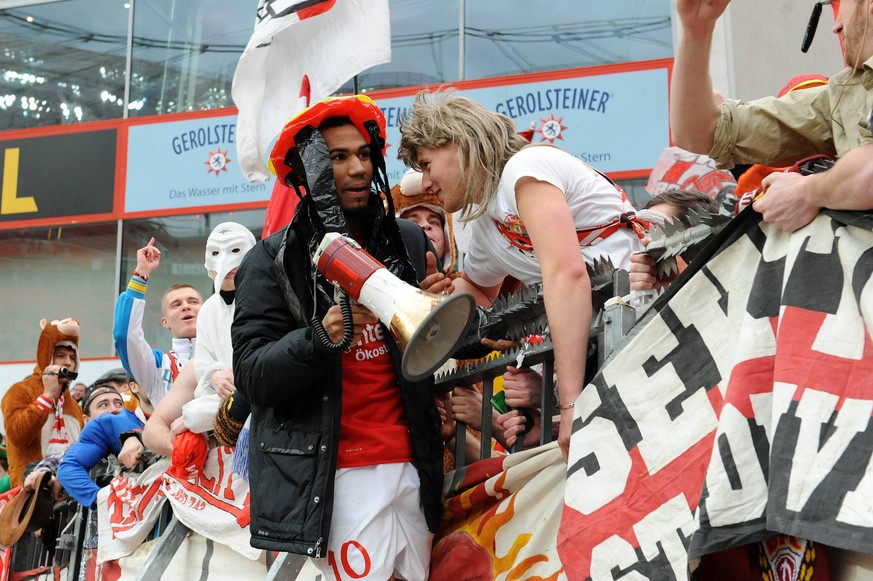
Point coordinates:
pixel 592 199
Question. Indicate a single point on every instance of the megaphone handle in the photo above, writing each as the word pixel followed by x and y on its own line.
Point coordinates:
pixel 348 327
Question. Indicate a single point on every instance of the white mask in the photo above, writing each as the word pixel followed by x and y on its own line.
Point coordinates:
pixel 225 249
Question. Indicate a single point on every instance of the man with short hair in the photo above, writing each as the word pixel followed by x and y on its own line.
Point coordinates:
pixel 225 248
pixel 107 422
pixel 155 370
pixel 134 399
pixel 78 391
pixel 41 418
pixel 327 424
pixel 426 210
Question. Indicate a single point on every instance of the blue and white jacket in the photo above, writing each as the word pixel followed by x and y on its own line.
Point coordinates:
pixel 154 370
pixel 98 440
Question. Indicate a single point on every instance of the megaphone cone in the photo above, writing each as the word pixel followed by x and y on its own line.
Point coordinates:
pixel 427 327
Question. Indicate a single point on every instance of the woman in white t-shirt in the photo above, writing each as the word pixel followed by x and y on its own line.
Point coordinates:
pixel 532 208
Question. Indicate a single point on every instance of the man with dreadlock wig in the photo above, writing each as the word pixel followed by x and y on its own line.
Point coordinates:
pixel 345 460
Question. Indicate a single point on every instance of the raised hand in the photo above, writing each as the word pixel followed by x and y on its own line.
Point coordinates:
pixel 148 258
pixel 447 419
pixel 130 452
pixel 523 387
pixel 514 423
pixel 51 384
pixel 700 15
pixel 466 406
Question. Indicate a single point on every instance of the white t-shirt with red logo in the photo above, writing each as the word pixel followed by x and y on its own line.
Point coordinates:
pixel 592 200
pixel 373 428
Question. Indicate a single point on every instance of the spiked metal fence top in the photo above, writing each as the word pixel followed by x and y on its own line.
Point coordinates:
pixel 676 238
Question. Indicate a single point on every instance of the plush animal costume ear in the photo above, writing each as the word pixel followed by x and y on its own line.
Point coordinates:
pixel 42 324
pixel 408 195
pixel 68 326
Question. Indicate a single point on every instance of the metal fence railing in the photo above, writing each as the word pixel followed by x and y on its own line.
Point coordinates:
pixel 613 321
pixel 60 549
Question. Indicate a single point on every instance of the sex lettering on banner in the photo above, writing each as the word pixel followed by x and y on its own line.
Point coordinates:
pixel 645 426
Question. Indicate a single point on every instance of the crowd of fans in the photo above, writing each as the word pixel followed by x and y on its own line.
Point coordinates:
pixel 262 364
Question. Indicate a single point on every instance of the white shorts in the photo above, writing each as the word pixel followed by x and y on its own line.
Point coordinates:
pixel 378 529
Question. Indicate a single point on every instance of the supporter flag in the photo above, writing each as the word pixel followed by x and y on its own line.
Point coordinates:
pixel 300 51
pixel 739 407
pixel 280 209
pixel 204 494
pixel 127 509
pixel 684 170
pixel 211 500
pixel 501 519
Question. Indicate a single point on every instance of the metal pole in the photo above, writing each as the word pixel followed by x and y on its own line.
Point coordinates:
pixel 286 567
pixel 128 66
pixel 119 246
pixel 462 38
pixel 164 551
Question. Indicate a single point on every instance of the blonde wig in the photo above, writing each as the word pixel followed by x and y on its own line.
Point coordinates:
pixel 486 140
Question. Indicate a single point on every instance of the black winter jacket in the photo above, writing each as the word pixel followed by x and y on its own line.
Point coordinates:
pixel 294 387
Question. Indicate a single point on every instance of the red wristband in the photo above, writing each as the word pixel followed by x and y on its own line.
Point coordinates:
pixel 145 277
pixel 44 403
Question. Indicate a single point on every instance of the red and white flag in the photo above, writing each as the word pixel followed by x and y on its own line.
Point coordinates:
pixel 739 409
pixel 127 509
pixel 301 51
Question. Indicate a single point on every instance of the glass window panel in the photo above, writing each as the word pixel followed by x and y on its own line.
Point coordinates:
pixel 55 273
pixel 507 37
pixel 424 47
pixel 185 53
pixel 62 62
pixel 182 242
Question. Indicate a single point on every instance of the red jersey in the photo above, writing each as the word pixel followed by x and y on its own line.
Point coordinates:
pixel 373 427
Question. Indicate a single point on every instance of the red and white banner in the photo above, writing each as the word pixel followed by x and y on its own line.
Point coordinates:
pixel 208 499
pixel 502 518
pixel 740 408
pixel 683 170
pixel 127 510
pixel 300 52
pixel 214 503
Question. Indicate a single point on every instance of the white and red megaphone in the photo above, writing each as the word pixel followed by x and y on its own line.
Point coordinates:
pixel 428 327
